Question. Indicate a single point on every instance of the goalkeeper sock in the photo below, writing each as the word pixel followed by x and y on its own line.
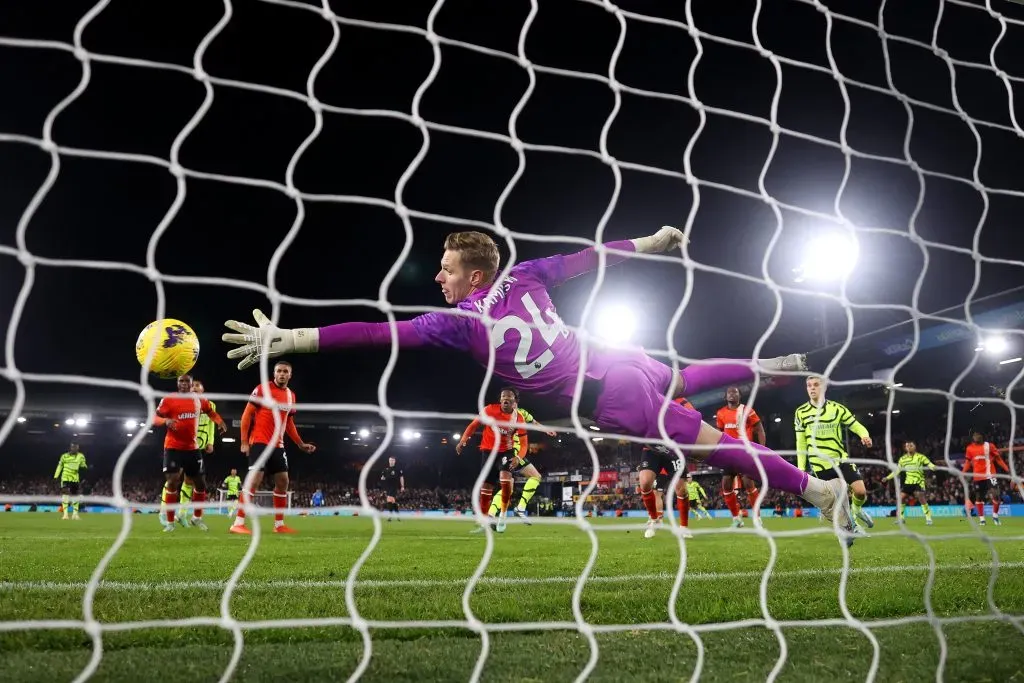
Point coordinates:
pixel 280 503
pixel 529 488
pixel 172 502
pixel 198 497
pixel 650 502
pixel 493 510
pixel 731 503
pixel 926 510
pixel 683 505
pixel 506 496
pixel 697 378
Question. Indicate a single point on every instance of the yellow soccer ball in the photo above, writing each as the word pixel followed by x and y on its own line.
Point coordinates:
pixel 177 348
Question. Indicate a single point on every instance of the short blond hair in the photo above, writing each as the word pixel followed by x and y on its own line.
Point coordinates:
pixel 477 251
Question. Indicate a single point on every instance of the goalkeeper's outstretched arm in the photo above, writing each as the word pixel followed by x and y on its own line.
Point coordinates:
pixel 266 339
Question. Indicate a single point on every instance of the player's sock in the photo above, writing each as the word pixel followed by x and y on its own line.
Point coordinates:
pixel 76 501
pixel 529 488
pixel 650 502
pixel 732 503
pixel 732 455
pixel 198 497
pixel 995 509
pixel 243 498
pixel 926 510
pixel 856 503
pixel 280 503
pixel 494 509
pixel 698 378
pixel 980 507
pixel 752 495
pixel 485 499
pixel 65 501
pixel 683 505
pixel 163 503
pixel 506 496
pixel 172 502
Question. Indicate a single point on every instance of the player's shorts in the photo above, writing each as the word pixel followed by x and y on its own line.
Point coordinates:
pixel 517 464
pixel 231 496
pixel 982 488
pixel 70 486
pixel 658 459
pixel 276 462
pixel 189 462
pixel 847 469
pixel 911 489
pixel 391 492
pixel 502 461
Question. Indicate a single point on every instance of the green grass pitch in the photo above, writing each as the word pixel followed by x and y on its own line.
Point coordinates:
pixel 418 573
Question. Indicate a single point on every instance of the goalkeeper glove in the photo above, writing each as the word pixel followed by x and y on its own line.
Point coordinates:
pixel 663 240
pixel 267 339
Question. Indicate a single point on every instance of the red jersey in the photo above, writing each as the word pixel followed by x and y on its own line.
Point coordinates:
pixel 983 459
pixel 184 409
pixel 264 430
pixel 730 419
pixel 506 431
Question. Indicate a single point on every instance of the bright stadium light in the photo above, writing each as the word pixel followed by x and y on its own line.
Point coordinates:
pixel 828 257
pixel 778 419
pixel 363 433
pixel 415 435
pixel 595 428
pixel 615 324
pixel 81 422
pixel 406 434
pixel 994 344
pixel 456 435
pixel 352 433
pixel 70 422
pixel 129 424
pixel 21 418
pixel 130 434
pixel 1002 362
pixel 227 439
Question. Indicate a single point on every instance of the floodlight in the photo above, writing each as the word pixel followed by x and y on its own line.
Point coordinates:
pixel 406 434
pixel 81 422
pixel 70 422
pixel 129 424
pixel 828 257
pixel 615 324
pixel 363 433
pixel 995 344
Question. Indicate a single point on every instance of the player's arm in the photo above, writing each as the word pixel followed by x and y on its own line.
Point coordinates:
pixel 82 464
pixel 719 420
pixel 60 467
pixel 700 492
pixel 293 434
pixel 759 434
pixel 801 443
pixel 401 481
pixel 1000 463
pixel 854 425
pixel 524 444
pixel 207 408
pixel 161 419
pixel 925 461
pixel 248 415
pixel 467 435
pixel 968 461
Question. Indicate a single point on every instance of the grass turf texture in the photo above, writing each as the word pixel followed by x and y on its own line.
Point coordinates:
pixel 418 572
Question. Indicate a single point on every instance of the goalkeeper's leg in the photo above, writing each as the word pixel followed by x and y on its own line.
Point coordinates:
pixel 630 401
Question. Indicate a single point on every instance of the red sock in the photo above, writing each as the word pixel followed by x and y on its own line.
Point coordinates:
pixel 683 505
pixel 506 495
pixel 242 500
pixel 752 495
pixel 172 504
pixel 198 497
pixel 651 503
pixel 980 507
pixel 731 502
pixel 485 500
pixel 280 503
pixel 995 507
pixel 968 506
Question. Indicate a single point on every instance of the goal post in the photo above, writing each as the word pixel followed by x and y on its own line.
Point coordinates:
pixel 854 131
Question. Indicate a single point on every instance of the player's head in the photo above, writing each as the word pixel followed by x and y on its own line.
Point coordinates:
pixel 732 396
pixel 509 400
pixel 392 461
pixel 73 447
pixel 197 386
pixel 282 373
pixel 469 262
pixel 689 477
pixel 977 437
pixel 234 472
pixel 185 384
pixel 816 386
pixel 910 447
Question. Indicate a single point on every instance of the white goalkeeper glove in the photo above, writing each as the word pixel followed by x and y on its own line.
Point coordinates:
pixel 268 340
pixel 663 240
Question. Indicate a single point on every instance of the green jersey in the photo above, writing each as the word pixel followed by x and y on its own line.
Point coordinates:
pixel 695 491
pixel 204 435
pixel 233 485
pixel 68 466
pixel 912 466
pixel 820 434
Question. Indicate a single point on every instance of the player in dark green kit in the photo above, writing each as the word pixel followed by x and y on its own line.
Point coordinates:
pixel 67 472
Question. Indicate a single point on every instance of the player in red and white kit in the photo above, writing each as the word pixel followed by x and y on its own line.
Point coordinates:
pixel 259 430
pixel 657 466
pixel 507 459
pixel 180 414
pixel 729 418
pixel 983 457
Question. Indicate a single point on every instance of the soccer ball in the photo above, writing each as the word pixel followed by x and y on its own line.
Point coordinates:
pixel 177 347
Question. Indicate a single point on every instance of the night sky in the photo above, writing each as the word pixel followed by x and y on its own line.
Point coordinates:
pixel 236 218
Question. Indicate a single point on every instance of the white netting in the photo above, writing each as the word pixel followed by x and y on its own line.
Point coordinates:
pixel 1007 32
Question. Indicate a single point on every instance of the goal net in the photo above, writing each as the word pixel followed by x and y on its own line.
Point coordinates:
pixel 848 178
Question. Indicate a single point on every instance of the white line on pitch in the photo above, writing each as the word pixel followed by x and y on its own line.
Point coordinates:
pixel 486 580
